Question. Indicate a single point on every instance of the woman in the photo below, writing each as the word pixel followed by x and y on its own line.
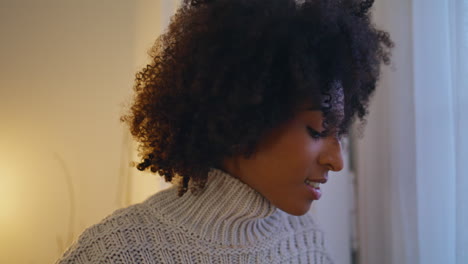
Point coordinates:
pixel 242 108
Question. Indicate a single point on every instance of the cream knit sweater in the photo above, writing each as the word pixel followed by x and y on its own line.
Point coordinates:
pixel 228 222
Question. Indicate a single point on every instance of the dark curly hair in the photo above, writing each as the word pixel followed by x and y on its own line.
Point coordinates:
pixel 228 71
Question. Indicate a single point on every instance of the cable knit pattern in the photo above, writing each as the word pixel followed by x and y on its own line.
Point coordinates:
pixel 227 222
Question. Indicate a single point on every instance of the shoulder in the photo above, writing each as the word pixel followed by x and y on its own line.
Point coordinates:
pixel 126 236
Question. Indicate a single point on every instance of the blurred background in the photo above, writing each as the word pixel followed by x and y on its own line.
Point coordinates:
pixel 66 76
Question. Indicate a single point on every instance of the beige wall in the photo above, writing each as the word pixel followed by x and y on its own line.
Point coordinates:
pixel 66 72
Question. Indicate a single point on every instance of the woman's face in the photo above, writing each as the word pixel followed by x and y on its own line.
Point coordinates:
pixel 289 160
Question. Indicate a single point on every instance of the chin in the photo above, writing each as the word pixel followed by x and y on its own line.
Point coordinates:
pixel 297 211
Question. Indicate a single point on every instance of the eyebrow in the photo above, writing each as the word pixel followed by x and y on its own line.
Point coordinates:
pixel 314 108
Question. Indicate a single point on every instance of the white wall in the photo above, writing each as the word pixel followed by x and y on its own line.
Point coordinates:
pixel 387 150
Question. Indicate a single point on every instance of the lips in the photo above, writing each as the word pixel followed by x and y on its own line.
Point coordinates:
pixel 314 186
pixel 315 191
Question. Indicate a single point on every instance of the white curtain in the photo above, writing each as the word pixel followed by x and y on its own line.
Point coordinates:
pixel 412 164
pixel 441 109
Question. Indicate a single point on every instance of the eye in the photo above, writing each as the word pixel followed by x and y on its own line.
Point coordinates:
pixel 314 133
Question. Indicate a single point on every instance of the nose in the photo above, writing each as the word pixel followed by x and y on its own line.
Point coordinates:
pixel 331 155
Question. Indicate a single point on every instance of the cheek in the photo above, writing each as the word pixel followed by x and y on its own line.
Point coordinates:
pixel 300 154
pixel 303 148
pixel 312 149
pixel 291 152
pixel 305 159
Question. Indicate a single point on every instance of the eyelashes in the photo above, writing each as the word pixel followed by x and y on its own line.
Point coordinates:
pixel 314 134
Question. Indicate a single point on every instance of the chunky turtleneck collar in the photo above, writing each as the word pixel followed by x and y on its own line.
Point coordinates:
pixel 226 222
pixel 226 211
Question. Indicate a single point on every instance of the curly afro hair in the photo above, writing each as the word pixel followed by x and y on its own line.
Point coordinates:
pixel 228 71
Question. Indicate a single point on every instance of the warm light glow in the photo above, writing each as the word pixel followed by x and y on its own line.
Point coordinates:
pixel 8 192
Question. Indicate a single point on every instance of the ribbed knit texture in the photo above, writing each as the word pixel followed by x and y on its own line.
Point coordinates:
pixel 227 222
